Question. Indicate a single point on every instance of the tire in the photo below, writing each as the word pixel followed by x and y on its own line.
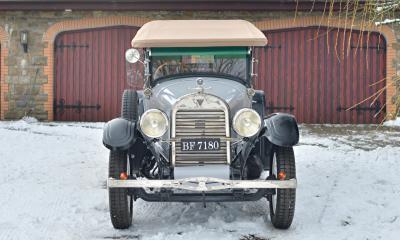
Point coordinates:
pixel 282 204
pixel 129 106
pixel 119 200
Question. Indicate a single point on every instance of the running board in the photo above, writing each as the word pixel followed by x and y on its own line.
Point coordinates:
pixel 202 184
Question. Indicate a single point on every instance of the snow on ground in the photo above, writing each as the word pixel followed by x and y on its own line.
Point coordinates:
pixel 52 185
pixel 392 123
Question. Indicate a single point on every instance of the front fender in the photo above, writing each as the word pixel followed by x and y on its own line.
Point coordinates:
pixel 119 134
pixel 281 129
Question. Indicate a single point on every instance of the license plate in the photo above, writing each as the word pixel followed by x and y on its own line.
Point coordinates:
pixel 200 144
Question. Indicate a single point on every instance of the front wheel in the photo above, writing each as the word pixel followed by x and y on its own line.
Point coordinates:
pixel 119 199
pixel 282 203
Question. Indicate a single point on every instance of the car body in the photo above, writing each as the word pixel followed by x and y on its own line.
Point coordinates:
pixel 197 132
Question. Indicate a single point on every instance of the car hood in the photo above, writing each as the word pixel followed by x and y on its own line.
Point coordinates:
pixel 167 93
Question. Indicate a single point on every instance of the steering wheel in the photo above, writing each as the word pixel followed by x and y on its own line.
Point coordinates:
pixel 179 67
pixel 166 64
pixel 159 68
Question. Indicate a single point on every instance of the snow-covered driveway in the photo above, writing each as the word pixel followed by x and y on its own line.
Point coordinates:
pixel 52 186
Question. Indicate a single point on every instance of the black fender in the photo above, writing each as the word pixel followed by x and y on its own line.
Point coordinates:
pixel 119 134
pixel 258 103
pixel 281 129
pixel 140 106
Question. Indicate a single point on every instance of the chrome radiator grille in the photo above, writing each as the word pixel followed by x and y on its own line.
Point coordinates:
pixel 201 123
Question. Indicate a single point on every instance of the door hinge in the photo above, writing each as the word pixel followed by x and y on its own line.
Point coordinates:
pixel 378 48
pixel 71 46
pixel 272 46
pixel 375 108
pixel 271 107
pixel 61 106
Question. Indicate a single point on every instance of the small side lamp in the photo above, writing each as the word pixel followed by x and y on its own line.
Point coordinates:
pixel 24 40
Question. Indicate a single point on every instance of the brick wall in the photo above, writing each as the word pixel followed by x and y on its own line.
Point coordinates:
pixel 3 71
pixel 396 63
pixel 27 78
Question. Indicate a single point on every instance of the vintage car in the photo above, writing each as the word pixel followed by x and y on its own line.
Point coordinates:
pixel 197 132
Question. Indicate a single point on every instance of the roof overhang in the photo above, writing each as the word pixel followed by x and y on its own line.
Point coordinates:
pixel 168 5
pixel 198 33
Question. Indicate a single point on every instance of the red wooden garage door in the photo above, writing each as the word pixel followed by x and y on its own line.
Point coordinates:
pixel 0 85
pixel 91 73
pixel 316 74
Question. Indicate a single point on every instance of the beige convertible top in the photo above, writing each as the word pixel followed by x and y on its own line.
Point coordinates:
pixel 198 33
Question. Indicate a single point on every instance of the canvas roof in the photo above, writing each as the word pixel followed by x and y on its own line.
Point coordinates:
pixel 198 33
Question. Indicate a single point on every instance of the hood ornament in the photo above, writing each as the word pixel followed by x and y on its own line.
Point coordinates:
pixel 199 81
pixel 199 88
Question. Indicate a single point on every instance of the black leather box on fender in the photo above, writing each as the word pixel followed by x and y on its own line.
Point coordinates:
pixel 119 134
pixel 282 129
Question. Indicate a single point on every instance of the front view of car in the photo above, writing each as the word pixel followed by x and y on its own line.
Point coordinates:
pixel 197 131
pixel 200 90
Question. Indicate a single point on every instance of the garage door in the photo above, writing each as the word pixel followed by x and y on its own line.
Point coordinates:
pixel 317 74
pixel 1 99
pixel 91 73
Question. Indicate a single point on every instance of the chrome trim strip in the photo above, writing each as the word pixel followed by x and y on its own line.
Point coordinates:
pixel 177 139
pixel 203 184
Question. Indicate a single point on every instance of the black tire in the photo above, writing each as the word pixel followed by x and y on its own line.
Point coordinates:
pixel 282 205
pixel 119 199
pixel 129 106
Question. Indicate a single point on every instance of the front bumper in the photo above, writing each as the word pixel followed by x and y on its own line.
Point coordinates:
pixel 202 184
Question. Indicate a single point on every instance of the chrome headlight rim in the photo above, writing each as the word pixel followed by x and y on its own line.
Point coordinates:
pixel 237 115
pixel 146 115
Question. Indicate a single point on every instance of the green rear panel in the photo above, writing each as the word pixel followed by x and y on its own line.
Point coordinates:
pixel 201 51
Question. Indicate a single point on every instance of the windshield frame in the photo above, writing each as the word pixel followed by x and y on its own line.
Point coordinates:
pixel 204 51
pixel 201 74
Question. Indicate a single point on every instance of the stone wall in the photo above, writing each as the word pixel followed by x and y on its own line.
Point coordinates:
pixel 26 77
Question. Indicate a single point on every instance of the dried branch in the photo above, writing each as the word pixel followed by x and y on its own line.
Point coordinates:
pixel 367 14
pixel 373 95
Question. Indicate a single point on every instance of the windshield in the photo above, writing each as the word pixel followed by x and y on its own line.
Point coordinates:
pixel 228 61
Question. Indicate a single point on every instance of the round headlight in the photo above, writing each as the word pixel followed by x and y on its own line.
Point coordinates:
pixel 154 123
pixel 246 122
